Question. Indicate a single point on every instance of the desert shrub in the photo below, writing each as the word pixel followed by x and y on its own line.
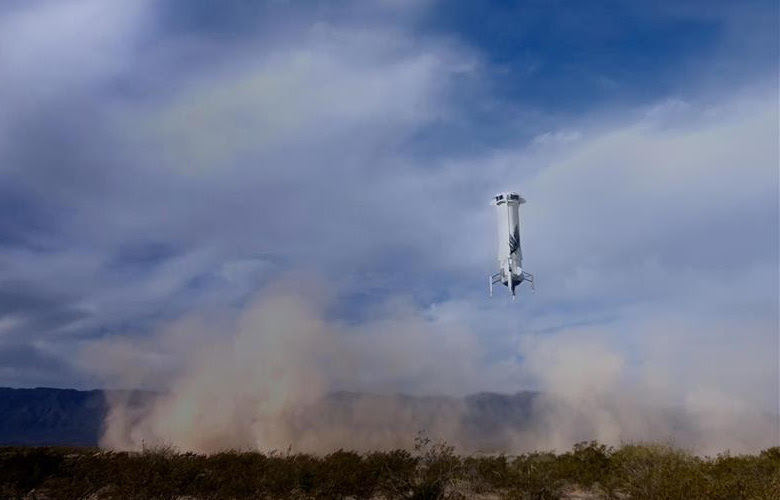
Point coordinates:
pixel 395 472
pixel 748 477
pixel 536 476
pixel 156 473
pixel 654 471
pixel 289 476
pixel 588 464
pixel 228 474
pixel 24 469
pixel 438 470
pixel 79 476
pixel 344 474
pixel 487 473
pixel 431 471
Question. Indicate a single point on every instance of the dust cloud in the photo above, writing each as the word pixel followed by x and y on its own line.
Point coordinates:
pixel 283 375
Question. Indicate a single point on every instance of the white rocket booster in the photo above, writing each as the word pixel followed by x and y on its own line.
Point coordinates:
pixel 510 256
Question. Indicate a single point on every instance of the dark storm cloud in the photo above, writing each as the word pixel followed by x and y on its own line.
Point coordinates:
pixel 25 365
pixel 21 217
pixel 142 254
pixel 20 298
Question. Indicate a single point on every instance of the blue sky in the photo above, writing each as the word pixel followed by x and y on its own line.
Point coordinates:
pixel 164 159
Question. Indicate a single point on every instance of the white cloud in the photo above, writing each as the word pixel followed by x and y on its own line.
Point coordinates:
pixel 51 47
pixel 311 96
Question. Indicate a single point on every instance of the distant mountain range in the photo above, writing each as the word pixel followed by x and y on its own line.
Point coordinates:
pixel 44 416
pixel 68 417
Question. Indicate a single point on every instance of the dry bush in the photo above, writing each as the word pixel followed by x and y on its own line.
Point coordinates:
pixel 536 476
pixel 654 471
pixel 431 471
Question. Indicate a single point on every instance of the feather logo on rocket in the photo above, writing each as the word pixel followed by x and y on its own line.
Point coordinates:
pixel 514 240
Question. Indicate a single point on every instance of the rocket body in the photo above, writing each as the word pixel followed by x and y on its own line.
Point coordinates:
pixel 510 255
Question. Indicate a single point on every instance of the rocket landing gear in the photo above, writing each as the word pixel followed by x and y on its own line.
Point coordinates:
pixel 499 278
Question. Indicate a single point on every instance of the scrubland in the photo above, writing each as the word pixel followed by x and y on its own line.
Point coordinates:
pixel 429 471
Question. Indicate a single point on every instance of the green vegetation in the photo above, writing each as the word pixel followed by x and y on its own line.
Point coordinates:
pixel 430 471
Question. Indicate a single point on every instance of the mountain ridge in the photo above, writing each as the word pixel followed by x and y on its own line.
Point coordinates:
pixel 46 416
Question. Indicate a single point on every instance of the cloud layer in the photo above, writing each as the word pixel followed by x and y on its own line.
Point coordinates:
pixel 166 160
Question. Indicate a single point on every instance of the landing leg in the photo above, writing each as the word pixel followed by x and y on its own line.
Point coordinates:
pixel 530 277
